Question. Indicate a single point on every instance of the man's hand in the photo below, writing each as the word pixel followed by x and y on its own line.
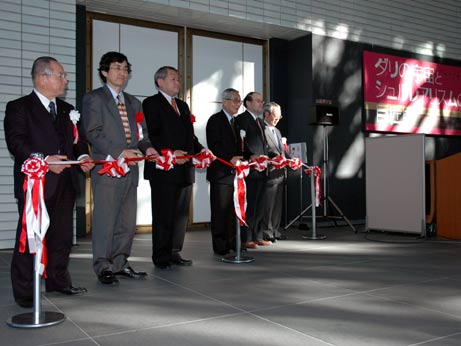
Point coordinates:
pixel 131 154
pixel 234 159
pixel 57 168
pixel 152 154
pixel 88 166
pixel 180 153
pixel 213 157
pixel 257 157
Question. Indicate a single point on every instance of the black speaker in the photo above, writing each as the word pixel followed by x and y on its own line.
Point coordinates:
pixel 325 115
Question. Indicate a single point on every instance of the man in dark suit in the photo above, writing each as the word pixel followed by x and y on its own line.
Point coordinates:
pixel 109 119
pixel 222 141
pixel 254 146
pixel 40 123
pixel 170 126
pixel 273 189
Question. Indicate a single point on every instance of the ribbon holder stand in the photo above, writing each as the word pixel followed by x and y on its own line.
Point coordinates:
pixel 237 258
pixel 36 318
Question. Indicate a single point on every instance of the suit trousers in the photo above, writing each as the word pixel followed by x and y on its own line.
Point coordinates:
pixel 170 217
pixel 255 210
pixel 114 223
pixel 273 204
pixel 58 242
pixel 223 219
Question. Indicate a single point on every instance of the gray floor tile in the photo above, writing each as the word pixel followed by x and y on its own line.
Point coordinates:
pixel 349 289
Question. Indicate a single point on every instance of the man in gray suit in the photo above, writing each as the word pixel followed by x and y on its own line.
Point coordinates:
pixel 273 188
pixel 109 119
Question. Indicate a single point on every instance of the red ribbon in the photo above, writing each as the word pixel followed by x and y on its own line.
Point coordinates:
pixel 76 136
pixel 35 219
pixel 294 163
pixel 202 160
pixel 279 162
pixel 167 160
pixel 242 170
pixel 139 119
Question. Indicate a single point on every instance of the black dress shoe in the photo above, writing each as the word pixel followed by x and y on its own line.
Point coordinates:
pixel 178 260
pixel 281 237
pixel 131 273
pixel 107 277
pixel 24 302
pixel 71 290
pixel 221 253
pixel 163 266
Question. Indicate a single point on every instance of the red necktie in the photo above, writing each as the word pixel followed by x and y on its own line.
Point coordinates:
pixel 174 105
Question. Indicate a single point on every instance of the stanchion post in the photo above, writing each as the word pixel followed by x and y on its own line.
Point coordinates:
pixel 36 318
pixel 237 258
pixel 314 235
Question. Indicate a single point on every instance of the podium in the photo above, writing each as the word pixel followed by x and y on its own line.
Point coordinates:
pixel 448 196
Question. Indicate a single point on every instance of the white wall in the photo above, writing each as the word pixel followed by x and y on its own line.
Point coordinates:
pixel 28 29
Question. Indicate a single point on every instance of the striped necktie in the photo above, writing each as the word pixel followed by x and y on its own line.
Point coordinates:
pixel 124 117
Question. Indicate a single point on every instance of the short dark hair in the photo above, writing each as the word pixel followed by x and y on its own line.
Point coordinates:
pixel 109 58
pixel 162 73
pixel 248 98
pixel 41 65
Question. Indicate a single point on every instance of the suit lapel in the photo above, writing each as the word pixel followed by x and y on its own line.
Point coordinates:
pixel 43 118
pixel 109 101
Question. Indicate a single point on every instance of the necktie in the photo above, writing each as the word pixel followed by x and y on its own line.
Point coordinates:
pixel 124 117
pixel 174 105
pixel 262 131
pixel 52 107
pixel 276 138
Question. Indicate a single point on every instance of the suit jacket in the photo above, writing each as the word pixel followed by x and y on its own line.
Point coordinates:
pixel 275 148
pixel 104 129
pixel 29 128
pixel 222 141
pixel 254 142
pixel 167 130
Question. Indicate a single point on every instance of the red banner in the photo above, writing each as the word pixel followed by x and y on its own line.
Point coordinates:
pixel 406 95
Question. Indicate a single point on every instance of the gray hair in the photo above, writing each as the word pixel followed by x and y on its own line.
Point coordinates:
pixel 41 65
pixel 269 106
pixel 162 73
pixel 227 94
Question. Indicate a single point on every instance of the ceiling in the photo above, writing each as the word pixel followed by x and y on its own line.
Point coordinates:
pixel 146 10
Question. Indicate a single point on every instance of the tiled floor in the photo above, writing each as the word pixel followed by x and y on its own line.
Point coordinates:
pixel 349 289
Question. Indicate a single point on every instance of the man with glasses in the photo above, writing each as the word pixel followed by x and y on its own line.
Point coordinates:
pixel 40 124
pixel 222 140
pixel 254 146
pixel 109 119
pixel 273 188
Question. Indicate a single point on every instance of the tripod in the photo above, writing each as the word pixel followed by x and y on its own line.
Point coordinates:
pixel 326 199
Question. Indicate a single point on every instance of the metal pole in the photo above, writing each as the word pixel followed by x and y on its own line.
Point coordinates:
pixel 237 258
pixel 36 318
pixel 314 235
pixel 325 172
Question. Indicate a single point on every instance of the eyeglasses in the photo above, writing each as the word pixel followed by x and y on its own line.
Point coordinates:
pixel 61 75
pixel 235 101
pixel 120 68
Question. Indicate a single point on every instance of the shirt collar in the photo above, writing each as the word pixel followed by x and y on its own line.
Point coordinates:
pixel 168 97
pixel 115 94
pixel 229 117
pixel 45 100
